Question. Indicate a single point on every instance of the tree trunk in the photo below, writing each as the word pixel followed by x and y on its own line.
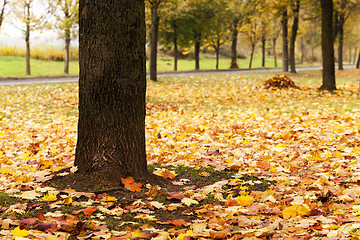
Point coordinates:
pixel 234 35
pixel 274 51
pixel 294 30
pixel 285 54
pixel 217 49
pixel 175 48
pixel 341 37
pixel 327 46
pixel 5 2
pixel 154 41
pixel 263 49
pixel 358 61
pixel 197 51
pixel 252 54
pixel 67 50
pixel 112 88
pixel 355 54
pixel 302 50
pixel 28 55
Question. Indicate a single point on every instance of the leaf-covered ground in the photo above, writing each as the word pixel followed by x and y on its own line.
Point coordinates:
pixel 243 162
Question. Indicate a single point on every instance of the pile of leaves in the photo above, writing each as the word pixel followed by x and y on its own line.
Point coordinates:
pixel 280 82
pixel 241 161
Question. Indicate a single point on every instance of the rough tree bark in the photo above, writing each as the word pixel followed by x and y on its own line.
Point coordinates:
pixel 154 39
pixel 327 46
pixel 112 87
pixel 285 52
pixel 294 29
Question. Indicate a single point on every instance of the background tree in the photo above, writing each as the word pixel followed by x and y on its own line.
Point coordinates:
pixel 238 12
pixel 285 40
pixel 29 17
pixel 66 13
pixel 252 29
pixel 173 31
pixel 197 17
pixel 327 46
pixel 218 31
pixel 342 11
pixel 295 8
pixel 112 87
pixel 2 11
pixel 155 19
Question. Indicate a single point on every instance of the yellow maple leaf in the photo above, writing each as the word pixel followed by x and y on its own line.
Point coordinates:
pixel 50 197
pixel 67 201
pixel 303 210
pixel 289 212
pixel 17 232
pixel 188 233
pixel 245 200
pixel 108 198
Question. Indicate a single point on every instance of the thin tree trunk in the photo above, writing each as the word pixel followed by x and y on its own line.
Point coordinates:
pixel 154 41
pixel 5 2
pixel 234 35
pixel 358 61
pixel 28 55
pixel 294 30
pixel 112 89
pixel 274 51
pixel 285 54
pixel 67 51
pixel 217 49
pixel 350 55
pixel 355 54
pixel 197 51
pixel 263 47
pixel 341 43
pixel 252 54
pixel 327 46
pixel 175 48
pixel 302 50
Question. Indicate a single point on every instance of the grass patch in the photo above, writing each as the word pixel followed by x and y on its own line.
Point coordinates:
pixel 15 67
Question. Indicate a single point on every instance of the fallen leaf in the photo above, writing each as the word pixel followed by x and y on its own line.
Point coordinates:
pixel 130 184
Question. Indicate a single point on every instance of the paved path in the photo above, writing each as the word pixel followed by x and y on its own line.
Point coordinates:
pixel 22 81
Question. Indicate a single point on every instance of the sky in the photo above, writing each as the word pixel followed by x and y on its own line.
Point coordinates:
pixel 11 36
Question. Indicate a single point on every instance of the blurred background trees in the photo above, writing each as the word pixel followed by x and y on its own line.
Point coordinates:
pixel 217 29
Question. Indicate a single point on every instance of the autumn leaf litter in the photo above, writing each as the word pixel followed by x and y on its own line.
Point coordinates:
pixel 302 145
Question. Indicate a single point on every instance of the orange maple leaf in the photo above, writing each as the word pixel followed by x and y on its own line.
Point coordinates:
pixel 130 184
pixel 263 165
pixel 85 212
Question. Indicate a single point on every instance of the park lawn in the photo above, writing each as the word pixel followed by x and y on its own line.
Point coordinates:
pixel 15 67
pixel 246 162
pixel 166 63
